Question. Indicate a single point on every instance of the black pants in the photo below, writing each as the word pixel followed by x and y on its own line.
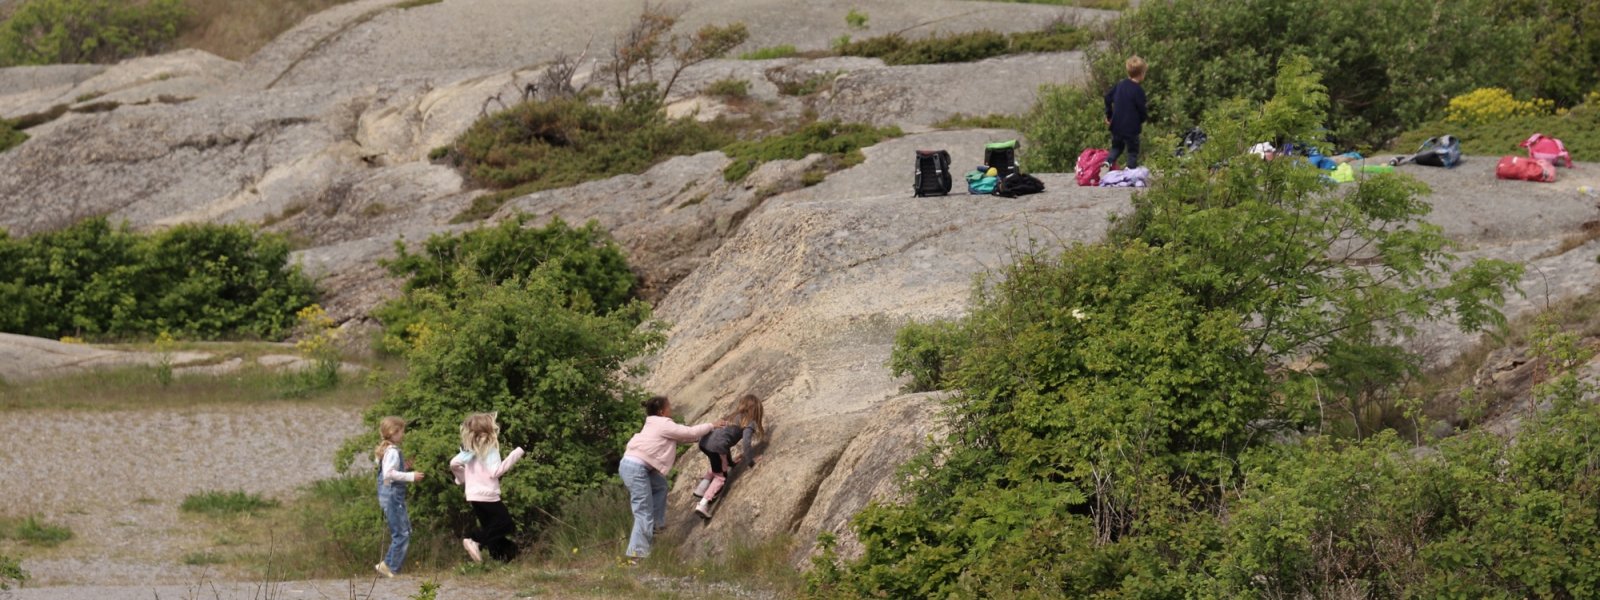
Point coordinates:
pixel 717 463
pixel 1119 144
pixel 495 527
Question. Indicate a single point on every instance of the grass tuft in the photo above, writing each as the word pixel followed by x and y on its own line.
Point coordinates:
pixel 895 49
pixel 235 29
pixel 995 121
pixel 33 531
pixel 842 141
pixel 226 503
pixel 770 52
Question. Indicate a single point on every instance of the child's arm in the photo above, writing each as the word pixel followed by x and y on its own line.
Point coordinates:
pixel 458 466
pixel 1141 103
pixel 505 465
pixel 391 468
pixel 687 434
pixel 749 432
pixel 1111 97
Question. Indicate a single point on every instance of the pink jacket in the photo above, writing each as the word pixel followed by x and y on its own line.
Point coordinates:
pixel 657 443
pixel 482 481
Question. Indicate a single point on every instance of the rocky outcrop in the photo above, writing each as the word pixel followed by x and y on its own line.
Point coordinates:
pixel 23 358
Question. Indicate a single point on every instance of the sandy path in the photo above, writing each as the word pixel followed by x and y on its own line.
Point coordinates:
pixel 116 478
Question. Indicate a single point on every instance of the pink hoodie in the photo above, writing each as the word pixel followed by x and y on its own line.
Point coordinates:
pixel 482 481
pixel 657 444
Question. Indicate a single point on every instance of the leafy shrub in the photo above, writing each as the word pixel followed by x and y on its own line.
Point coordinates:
pixel 1064 121
pixel 1485 105
pixel 843 141
pixel 895 49
pixel 770 52
pixel 811 84
pixel 10 137
pixel 11 573
pixel 729 88
pixel 587 265
pixel 87 31
pixel 557 375
pixel 1387 64
pixel 96 280
pixel 927 353
pixel 318 344
pixel 225 503
pixel 1109 391
pixel 855 19
pixel 547 144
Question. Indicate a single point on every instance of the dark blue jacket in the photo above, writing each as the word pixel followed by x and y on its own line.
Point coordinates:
pixel 1125 108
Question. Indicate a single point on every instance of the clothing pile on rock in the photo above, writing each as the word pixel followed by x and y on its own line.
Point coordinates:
pixel 1136 177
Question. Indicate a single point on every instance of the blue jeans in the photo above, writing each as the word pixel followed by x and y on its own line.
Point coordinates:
pixel 647 493
pixel 392 498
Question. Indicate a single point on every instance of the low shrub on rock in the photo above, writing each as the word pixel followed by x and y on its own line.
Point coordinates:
pixel 88 31
pixel 96 280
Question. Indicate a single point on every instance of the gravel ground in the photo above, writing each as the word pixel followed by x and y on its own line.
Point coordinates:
pixel 116 479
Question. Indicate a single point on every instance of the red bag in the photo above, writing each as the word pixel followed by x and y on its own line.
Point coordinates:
pixel 1089 166
pixel 1525 169
pixel 1542 147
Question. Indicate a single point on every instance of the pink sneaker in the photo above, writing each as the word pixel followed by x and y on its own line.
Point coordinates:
pixel 472 549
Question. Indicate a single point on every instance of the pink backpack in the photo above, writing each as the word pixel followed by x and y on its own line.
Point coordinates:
pixel 1525 169
pixel 1089 166
pixel 1542 147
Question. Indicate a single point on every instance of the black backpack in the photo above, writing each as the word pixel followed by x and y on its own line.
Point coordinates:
pixel 1443 151
pixel 1018 184
pixel 932 176
pixel 1192 141
pixel 1002 156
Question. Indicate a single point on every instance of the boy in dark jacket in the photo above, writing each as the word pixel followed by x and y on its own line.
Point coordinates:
pixel 1126 114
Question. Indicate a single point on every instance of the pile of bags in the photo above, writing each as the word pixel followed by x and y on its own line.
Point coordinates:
pixel 1544 153
pixel 1000 174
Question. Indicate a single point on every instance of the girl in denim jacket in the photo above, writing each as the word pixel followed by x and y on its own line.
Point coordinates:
pixel 392 483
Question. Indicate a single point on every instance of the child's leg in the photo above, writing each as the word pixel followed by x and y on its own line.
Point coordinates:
pixel 1116 150
pixel 496 529
pixel 719 476
pixel 1133 152
pixel 636 477
pixel 394 513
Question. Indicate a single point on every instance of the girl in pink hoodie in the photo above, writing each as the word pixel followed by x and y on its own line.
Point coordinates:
pixel 645 466
pixel 480 468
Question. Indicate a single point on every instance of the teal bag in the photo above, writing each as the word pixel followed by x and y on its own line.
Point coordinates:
pixel 979 183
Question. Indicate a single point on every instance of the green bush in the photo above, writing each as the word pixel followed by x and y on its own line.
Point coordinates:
pixel 87 31
pixel 731 88
pixel 843 141
pixel 96 280
pixel 548 144
pixel 927 353
pixel 10 137
pixel 585 262
pixel 895 49
pixel 558 376
pixel 225 503
pixel 1064 121
pixel 11 573
pixel 770 52
pixel 1109 392
pixel 994 121
pixel 1388 64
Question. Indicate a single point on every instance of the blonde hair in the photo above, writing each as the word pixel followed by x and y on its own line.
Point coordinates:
pixel 388 427
pixel 748 413
pixel 1136 67
pixel 480 435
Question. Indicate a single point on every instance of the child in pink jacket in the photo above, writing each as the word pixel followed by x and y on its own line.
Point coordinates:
pixel 480 468
pixel 645 466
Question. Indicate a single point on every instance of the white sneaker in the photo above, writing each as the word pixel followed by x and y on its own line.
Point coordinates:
pixel 472 549
pixel 703 509
pixel 383 570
